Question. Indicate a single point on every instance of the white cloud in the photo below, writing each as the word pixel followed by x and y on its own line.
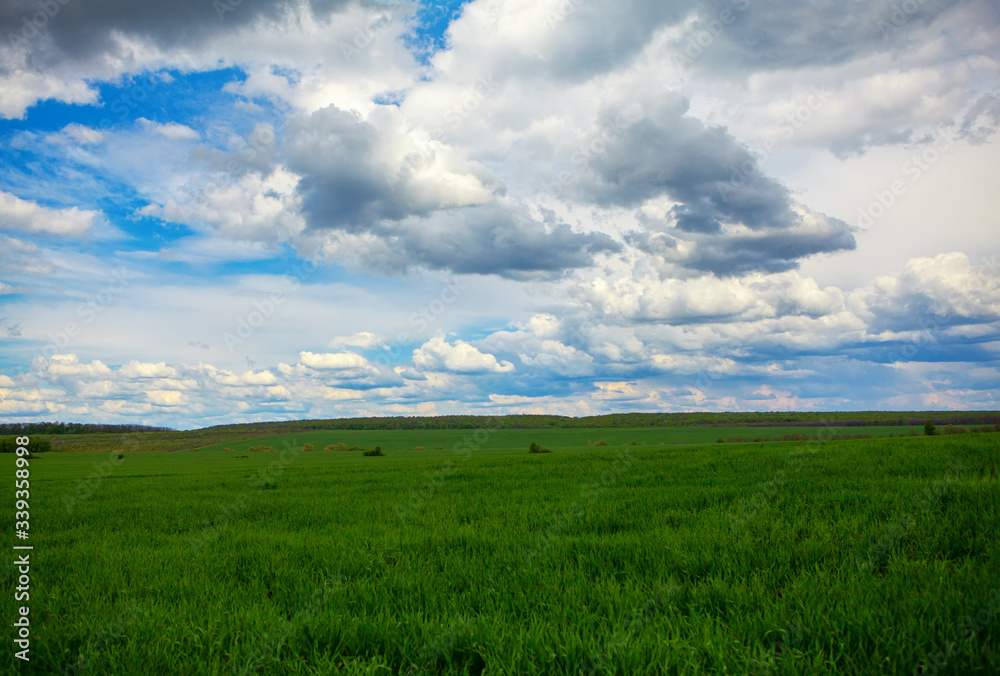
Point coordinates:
pixel 135 369
pixel 25 216
pixel 458 357
pixel 20 89
pixel 365 340
pixel 628 285
pixel 170 130
pixel 76 134
pixel 339 361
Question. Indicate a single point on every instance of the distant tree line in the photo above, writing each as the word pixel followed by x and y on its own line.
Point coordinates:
pixel 74 428
pixel 629 420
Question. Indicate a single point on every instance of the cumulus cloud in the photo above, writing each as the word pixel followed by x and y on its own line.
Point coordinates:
pixel 135 369
pixel 333 362
pixel 458 357
pixel 392 205
pixel 580 152
pixel 932 293
pixel 22 215
pixel 734 217
pixel 365 340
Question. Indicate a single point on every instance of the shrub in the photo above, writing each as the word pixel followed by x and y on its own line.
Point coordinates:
pixel 35 445
pixel 535 448
pixel 419 448
pixel 720 440
pixel 929 429
pixel 261 449
pixel 308 448
pixel 336 447
pixel 229 450
pixel 600 443
pixel 121 456
pixel 374 452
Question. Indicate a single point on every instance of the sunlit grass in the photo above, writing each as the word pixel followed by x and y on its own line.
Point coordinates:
pixel 638 559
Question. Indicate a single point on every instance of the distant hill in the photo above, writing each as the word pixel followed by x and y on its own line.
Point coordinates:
pixel 53 428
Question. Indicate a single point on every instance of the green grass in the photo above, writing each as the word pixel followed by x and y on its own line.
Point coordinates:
pixel 731 558
pixel 505 440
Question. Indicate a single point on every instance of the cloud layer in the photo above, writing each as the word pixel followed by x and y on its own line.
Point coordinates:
pixel 334 207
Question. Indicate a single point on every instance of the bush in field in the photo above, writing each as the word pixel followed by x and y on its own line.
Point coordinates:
pixel 342 447
pixel 377 451
pixel 929 429
pixel 600 443
pixel 419 448
pixel 535 448
pixel 261 449
pixel 308 448
pixel 229 450
pixel 35 445
pixel 720 440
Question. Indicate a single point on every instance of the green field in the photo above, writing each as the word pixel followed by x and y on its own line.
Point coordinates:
pixel 863 556
pixel 506 440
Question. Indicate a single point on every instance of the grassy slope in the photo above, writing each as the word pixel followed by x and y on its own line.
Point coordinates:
pixel 519 563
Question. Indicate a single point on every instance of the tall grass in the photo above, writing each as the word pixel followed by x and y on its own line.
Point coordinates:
pixel 516 563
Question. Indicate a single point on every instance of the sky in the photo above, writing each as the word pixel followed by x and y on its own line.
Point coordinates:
pixel 217 211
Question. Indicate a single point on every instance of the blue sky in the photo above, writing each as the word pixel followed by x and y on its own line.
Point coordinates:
pixel 338 208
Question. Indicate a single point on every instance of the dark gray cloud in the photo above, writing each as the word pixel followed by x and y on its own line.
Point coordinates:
pixel 667 153
pixel 777 34
pixel 774 252
pixel 346 183
pixel 495 239
pixel 83 29
pixel 350 184
pixel 717 182
pixel 728 254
